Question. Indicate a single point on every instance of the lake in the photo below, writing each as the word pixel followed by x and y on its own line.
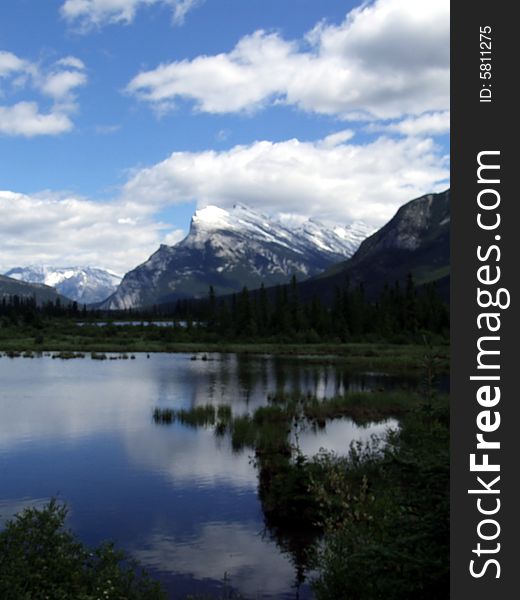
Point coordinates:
pixel 177 498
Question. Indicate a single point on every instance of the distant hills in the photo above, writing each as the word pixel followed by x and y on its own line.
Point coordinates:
pixel 230 249
pixel 42 293
pixel 83 284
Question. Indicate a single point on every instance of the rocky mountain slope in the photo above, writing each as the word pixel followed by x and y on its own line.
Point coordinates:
pixel 230 249
pixel 416 240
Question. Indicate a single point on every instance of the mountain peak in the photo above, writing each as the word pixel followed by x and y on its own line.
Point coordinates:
pixel 229 249
pixel 211 216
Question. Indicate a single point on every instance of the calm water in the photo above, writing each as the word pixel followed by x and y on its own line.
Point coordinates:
pixel 178 498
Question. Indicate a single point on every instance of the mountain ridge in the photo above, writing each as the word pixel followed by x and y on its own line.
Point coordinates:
pixel 230 249
pixel 416 240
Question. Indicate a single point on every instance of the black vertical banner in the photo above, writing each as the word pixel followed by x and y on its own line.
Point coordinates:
pixel 485 435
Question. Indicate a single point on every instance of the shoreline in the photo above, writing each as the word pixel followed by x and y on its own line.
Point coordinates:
pixel 409 357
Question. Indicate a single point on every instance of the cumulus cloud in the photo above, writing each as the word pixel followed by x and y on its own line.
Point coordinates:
pixel 428 124
pixel 56 83
pixel 97 13
pixel 25 119
pixel 10 63
pixel 333 179
pixel 56 229
pixel 386 60
pixel 59 85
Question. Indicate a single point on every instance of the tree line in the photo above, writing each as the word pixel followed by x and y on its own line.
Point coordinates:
pixel 399 310
pixel 275 313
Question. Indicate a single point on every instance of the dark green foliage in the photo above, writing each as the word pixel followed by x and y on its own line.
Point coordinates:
pixel 396 315
pixel 39 559
pixel 386 514
pixel 276 316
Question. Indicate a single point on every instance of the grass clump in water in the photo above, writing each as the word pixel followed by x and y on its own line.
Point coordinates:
pixel 67 355
pixel 361 407
pixel 197 416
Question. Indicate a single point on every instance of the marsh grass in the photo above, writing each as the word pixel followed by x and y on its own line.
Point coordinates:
pixel 266 431
pixel 65 335
pixel 67 355
pixel 197 416
pixel 362 407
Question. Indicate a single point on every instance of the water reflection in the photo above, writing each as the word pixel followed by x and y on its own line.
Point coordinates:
pixel 179 498
pixel 251 561
pixel 186 455
pixel 337 435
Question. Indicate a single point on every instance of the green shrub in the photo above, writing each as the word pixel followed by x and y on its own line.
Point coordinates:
pixel 39 560
pixel 386 513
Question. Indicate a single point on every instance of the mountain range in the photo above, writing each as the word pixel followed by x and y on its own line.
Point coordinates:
pixel 83 284
pixel 230 249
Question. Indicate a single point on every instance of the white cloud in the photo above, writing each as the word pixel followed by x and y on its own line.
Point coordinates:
pixel 24 119
pixel 340 137
pixel 10 63
pixel 428 124
pixel 57 82
pixel 174 236
pixel 333 179
pixel 386 60
pixel 60 85
pixel 56 229
pixel 97 13
pixel 71 61
pixel 182 7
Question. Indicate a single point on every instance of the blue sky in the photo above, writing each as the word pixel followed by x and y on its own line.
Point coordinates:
pixel 118 118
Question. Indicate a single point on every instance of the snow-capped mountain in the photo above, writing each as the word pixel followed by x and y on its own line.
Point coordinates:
pixel 230 249
pixel 83 284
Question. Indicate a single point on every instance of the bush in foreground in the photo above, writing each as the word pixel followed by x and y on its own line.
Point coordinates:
pixel 39 559
pixel 386 512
